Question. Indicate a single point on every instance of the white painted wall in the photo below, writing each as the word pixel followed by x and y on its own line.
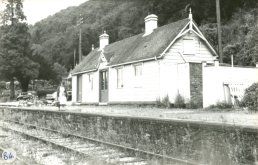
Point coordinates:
pixel 184 80
pixel 214 77
pixel 174 80
pixel 176 64
pixel 90 95
pixel 134 90
pixel 159 79
pixel 200 53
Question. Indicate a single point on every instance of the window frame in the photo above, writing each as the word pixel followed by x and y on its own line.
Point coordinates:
pixel 138 78
pixel 189 48
pixel 104 78
pixel 91 81
pixel 120 78
pixel 135 70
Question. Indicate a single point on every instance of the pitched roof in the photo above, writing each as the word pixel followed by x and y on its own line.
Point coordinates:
pixel 90 62
pixel 134 48
pixel 138 47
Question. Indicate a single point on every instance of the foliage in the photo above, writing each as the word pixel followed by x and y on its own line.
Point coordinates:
pixel 45 69
pixel 15 53
pixel 164 102
pixel 221 105
pixel 13 12
pixel 238 37
pixel 60 72
pixel 158 102
pixel 15 57
pixel 250 99
pixel 193 105
pixel 179 101
pixel 43 92
pixel 57 36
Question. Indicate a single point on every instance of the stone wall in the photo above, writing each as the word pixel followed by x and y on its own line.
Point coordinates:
pixel 198 142
pixel 196 84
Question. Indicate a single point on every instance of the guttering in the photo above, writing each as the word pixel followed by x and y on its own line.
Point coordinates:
pixel 131 62
pixel 87 71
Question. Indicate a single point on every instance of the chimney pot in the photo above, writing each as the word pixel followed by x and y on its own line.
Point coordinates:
pixel 216 63
pixel 103 40
pixel 151 23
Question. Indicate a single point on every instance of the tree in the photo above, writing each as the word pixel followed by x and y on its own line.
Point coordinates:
pixel 15 52
pixel 60 72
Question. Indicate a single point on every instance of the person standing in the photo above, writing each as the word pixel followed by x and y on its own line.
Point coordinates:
pixel 61 96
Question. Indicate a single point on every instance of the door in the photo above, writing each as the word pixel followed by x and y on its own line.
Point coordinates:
pixel 103 86
pixel 79 88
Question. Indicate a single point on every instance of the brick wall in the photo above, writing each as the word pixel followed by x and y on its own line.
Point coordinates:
pixel 196 84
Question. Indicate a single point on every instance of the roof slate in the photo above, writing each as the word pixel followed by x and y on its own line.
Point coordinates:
pixel 90 62
pixel 134 48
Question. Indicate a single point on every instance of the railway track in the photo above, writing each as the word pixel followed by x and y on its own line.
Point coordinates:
pixel 18 159
pixel 33 152
pixel 106 153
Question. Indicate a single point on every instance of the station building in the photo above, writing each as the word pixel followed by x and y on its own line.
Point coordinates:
pixel 167 61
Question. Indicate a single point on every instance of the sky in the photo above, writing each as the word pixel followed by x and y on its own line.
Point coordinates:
pixel 36 10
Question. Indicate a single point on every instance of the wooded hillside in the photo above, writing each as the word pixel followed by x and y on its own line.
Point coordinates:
pixel 56 37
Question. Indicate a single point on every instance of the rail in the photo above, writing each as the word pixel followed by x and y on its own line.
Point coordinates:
pixel 119 147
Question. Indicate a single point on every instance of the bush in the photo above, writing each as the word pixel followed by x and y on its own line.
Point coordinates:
pixel 193 105
pixel 164 102
pixel 158 102
pixel 43 93
pixel 221 105
pixel 179 101
pixel 4 99
pixel 250 99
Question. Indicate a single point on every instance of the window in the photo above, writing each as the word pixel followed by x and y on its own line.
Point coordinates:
pixel 138 70
pixel 91 81
pixel 138 76
pixel 120 78
pixel 189 46
pixel 104 80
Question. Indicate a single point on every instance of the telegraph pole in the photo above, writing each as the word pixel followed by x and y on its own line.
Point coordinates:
pixel 74 58
pixel 219 31
pixel 80 21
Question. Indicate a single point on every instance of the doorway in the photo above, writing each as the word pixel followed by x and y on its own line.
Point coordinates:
pixel 79 88
pixel 103 86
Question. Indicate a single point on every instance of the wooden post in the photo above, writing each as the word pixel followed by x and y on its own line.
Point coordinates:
pixel 232 61
pixel 74 58
pixel 219 30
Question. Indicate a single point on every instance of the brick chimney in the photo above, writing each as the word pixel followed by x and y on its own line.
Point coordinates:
pixel 151 23
pixel 103 40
